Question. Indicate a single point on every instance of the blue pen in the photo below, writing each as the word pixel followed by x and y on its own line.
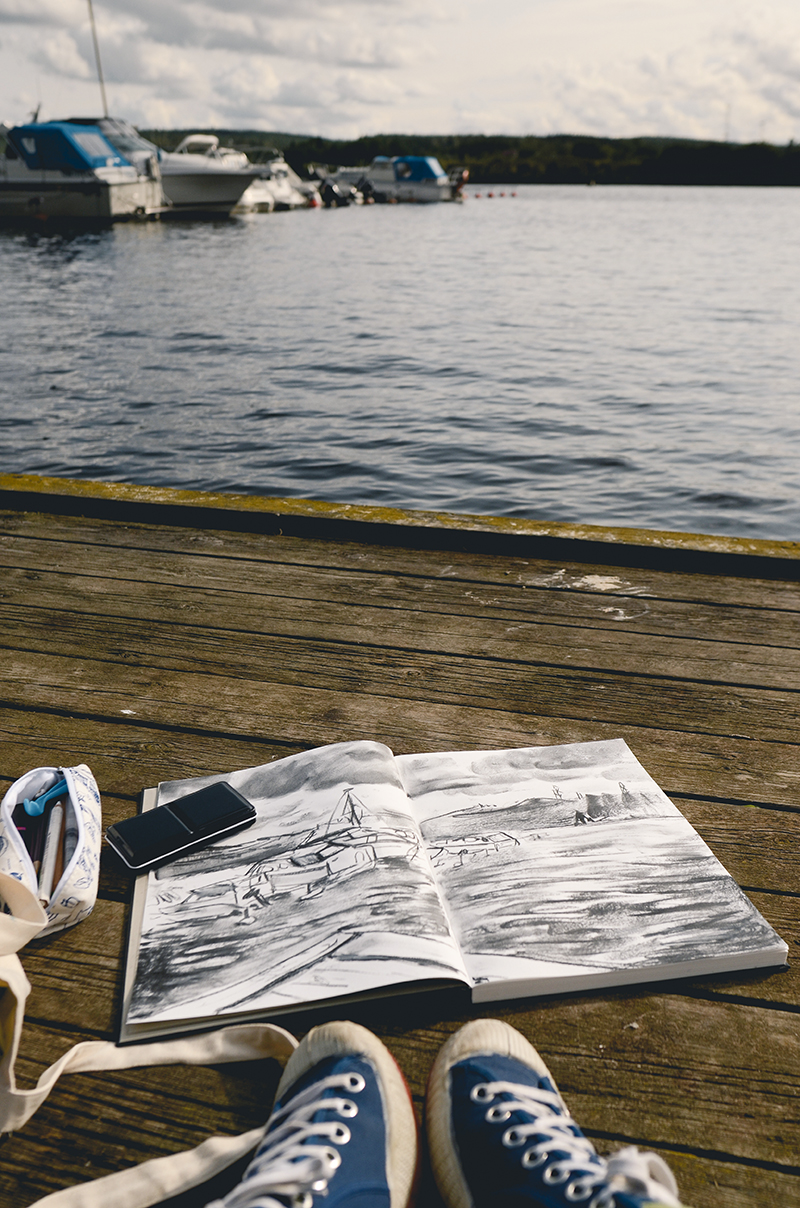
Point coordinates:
pixel 36 806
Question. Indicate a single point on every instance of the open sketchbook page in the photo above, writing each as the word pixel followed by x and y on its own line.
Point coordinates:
pixel 567 866
pixel 328 893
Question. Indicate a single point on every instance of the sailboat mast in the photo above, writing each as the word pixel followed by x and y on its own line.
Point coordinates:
pixel 97 59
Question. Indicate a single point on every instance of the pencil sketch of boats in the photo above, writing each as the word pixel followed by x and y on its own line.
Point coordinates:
pixel 559 867
pixel 341 846
pixel 591 869
pixel 330 883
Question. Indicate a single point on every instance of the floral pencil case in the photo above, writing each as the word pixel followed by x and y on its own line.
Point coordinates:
pixel 54 850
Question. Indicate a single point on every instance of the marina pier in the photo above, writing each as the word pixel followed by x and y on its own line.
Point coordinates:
pixel 157 634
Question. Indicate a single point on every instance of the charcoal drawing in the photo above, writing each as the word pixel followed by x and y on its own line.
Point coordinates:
pixel 571 859
pixel 331 875
pixel 514 872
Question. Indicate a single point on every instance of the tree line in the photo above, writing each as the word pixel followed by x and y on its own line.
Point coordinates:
pixel 554 159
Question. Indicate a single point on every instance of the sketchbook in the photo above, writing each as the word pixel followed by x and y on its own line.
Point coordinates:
pixel 533 871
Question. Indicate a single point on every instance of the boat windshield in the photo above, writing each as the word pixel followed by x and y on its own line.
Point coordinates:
pixel 125 137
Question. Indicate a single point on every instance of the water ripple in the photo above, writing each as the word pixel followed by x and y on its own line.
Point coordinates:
pixel 603 355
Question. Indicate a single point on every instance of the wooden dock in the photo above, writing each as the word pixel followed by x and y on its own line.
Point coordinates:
pixel 157 635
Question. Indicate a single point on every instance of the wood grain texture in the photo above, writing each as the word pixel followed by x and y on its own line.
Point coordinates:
pixel 591 600
pixel 45 532
pixel 155 653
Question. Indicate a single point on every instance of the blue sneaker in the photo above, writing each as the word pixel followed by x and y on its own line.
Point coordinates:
pixel 500 1135
pixel 342 1131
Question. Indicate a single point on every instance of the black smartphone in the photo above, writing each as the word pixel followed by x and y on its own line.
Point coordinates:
pixel 189 822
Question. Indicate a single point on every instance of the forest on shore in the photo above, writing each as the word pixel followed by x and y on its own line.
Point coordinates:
pixel 530 160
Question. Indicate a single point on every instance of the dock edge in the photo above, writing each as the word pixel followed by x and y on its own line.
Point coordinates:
pixel 501 535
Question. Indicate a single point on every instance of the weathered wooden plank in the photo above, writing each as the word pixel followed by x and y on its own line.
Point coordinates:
pixel 708 1183
pixel 76 976
pixel 367 558
pixel 525 682
pixel 758 846
pixel 263 636
pixel 124 756
pixel 137 585
pixel 237 704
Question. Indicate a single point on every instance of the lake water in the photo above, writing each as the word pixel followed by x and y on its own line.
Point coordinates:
pixel 606 355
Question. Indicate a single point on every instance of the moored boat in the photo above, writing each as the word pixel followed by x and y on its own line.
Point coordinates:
pixel 200 177
pixel 70 172
pixel 419 178
pixel 278 187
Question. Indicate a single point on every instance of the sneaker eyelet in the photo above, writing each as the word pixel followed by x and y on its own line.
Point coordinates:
pixel 532 1158
pixel 304 1200
pixel 334 1157
pixel 347 1109
pixel 555 1174
pixel 496 1115
pixel 340 1134
pixel 578 1189
pixel 481 1093
pixel 512 1138
pixel 355 1082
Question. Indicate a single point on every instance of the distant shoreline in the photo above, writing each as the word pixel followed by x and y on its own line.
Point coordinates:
pixel 529 160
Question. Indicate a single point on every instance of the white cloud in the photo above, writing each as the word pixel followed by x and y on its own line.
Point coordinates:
pixel 344 67
pixel 69 13
pixel 58 53
pixel 251 89
pixel 310 30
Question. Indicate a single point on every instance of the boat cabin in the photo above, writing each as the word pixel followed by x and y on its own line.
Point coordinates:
pixel 63 147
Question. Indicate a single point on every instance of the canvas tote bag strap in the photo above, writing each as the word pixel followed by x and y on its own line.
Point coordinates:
pixel 155 1180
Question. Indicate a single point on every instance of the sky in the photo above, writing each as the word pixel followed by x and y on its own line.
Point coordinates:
pixel 713 69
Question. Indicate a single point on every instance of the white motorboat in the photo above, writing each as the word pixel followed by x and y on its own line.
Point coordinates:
pixel 418 178
pixel 70 171
pixel 200 177
pixel 278 187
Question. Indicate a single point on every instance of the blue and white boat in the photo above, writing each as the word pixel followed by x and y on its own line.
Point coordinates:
pixel 403 178
pixel 69 171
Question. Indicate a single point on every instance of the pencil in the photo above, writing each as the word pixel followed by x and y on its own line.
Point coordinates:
pixel 50 852
pixel 60 841
pixel 37 842
pixel 70 832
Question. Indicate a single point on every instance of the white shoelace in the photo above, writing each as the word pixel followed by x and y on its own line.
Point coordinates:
pixel 583 1171
pixel 644 1174
pixel 286 1163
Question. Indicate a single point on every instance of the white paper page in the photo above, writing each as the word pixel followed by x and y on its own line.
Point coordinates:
pixel 559 863
pixel 329 892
